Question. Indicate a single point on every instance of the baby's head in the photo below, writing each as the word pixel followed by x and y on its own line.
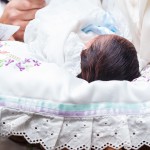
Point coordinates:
pixel 109 57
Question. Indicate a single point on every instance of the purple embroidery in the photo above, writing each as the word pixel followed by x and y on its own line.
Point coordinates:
pixel 9 62
pixel 20 67
pixel 21 64
pixel 27 60
pixel 36 63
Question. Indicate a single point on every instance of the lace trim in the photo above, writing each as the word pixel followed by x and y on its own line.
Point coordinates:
pixel 128 131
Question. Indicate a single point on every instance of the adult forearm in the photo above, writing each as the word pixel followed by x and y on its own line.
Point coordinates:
pixel 20 12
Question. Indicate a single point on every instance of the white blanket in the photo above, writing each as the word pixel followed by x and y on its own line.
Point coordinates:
pixel 50 106
pixel 55 34
pixel 47 34
pixel 24 76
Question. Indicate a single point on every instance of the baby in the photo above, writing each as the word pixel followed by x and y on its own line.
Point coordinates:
pixel 109 57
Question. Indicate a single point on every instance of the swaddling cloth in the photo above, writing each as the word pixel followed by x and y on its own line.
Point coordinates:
pixel 50 34
pixel 107 26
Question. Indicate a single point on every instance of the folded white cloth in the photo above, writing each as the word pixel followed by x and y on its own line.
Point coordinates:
pixel 47 34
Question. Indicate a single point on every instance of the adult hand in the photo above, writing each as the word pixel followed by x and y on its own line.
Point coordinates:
pixel 20 12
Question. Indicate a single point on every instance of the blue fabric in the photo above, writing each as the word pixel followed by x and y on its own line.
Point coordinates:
pixel 108 26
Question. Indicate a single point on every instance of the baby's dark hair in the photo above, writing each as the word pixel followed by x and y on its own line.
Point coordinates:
pixel 110 57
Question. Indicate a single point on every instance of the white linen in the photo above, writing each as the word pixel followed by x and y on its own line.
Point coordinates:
pixel 34 81
pixel 48 83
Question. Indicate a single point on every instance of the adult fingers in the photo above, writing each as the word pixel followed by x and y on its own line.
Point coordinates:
pixel 27 15
pixel 20 23
pixel 22 15
pixel 11 38
pixel 19 35
pixel 28 4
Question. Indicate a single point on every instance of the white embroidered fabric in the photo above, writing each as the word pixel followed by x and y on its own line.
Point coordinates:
pixel 116 131
pixel 56 132
pixel 126 131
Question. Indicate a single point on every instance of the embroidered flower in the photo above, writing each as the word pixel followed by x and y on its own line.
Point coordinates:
pixel 21 68
pixel 36 63
pixel 9 62
pixel 27 60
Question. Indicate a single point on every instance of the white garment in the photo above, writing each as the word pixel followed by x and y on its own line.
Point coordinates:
pixel 47 34
pixel 55 36
pixel 137 13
